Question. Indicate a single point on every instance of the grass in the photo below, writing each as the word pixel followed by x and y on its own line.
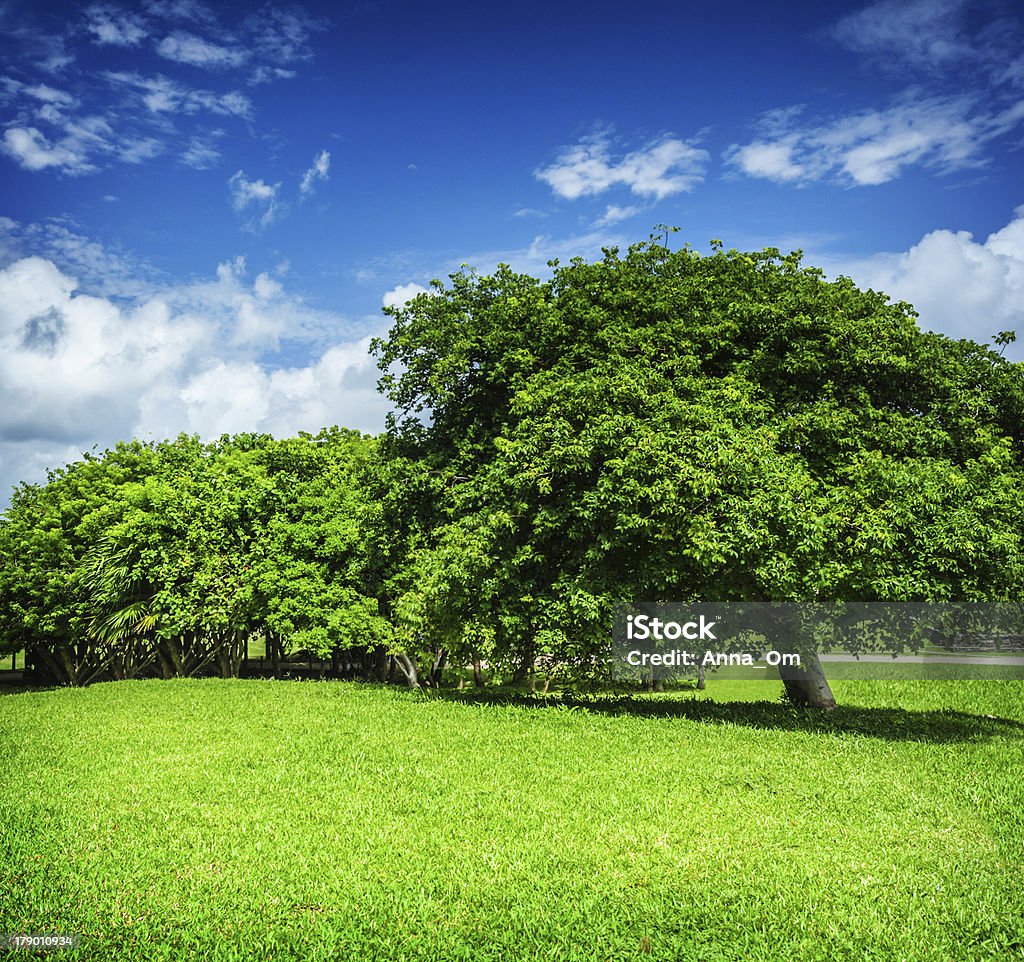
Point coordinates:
pixel 261 820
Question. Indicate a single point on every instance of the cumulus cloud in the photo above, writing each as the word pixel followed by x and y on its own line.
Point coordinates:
pixel 105 270
pixel 664 167
pixel 960 286
pixel 254 195
pixel 338 388
pixel 401 295
pixel 321 165
pixel 771 160
pixel 77 369
pixel 875 146
pixel 70 359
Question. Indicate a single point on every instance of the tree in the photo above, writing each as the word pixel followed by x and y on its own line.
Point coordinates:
pixel 667 426
pixel 169 557
pixel 45 538
pixel 315 579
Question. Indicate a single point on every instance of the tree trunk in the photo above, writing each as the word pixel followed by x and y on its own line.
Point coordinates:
pixel 478 674
pixel 807 686
pixel 46 667
pixel 524 666
pixel 380 663
pixel 407 666
pixel 275 653
pixel 701 682
pixel 437 669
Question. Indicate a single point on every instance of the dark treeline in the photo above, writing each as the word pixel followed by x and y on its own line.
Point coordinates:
pixel 656 426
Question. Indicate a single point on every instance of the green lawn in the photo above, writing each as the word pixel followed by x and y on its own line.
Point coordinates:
pixel 257 819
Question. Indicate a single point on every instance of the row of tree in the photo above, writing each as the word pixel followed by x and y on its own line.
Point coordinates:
pixel 169 557
pixel 656 426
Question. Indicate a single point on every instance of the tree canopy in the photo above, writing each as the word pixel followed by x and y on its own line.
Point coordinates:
pixel 169 556
pixel 659 425
pixel 668 426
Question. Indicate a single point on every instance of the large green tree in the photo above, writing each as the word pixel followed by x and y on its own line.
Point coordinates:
pixel 671 426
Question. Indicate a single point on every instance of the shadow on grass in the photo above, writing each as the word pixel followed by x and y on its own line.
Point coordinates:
pixel 891 724
pixel 16 688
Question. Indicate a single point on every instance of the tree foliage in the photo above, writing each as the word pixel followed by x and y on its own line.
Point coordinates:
pixel 169 557
pixel 655 426
pixel 670 426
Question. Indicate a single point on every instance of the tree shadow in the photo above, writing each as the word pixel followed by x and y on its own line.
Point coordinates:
pixel 888 724
pixel 21 688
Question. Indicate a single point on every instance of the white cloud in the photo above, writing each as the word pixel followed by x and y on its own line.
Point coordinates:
pixel 338 388
pixel 105 270
pixel 79 144
pixel 875 146
pixel 959 286
pixel 263 75
pixel 773 161
pixel 201 154
pixel 70 360
pixel 663 167
pixel 145 108
pixel 402 294
pixel 109 25
pixel 321 165
pixel 180 10
pixel 33 151
pixel 256 194
pixel 187 48
pixel 49 95
pixel 957 45
pixel 50 52
pixel 78 369
pixel 534 257
pixel 139 150
pixel 282 35
pixel 160 95
pixel 926 29
pixel 614 214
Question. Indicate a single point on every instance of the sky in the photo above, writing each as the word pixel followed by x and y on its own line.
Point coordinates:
pixel 203 208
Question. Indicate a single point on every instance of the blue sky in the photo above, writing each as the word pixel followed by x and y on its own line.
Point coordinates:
pixel 204 207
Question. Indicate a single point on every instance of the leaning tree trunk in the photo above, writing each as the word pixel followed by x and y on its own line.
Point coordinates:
pixel 806 686
pixel 407 667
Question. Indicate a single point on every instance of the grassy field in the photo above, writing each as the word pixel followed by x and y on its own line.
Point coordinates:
pixel 262 820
